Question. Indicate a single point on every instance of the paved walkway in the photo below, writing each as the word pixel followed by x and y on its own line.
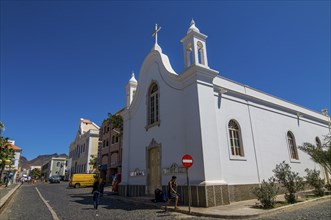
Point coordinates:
pixel 6 192
pixel 236 210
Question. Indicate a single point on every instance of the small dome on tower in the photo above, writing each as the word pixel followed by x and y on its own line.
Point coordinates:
pixel 193 27
pixel 133 79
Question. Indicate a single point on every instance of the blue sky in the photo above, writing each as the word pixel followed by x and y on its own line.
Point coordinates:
pixel 66 60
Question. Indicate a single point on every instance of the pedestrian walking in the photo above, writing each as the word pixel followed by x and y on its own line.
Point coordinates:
pixel 96 193
pixel 172 193
pixel 6 180
pixel 113 183
pixel 102 186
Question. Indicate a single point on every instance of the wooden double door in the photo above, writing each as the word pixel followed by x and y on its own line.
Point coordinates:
pixel 154 167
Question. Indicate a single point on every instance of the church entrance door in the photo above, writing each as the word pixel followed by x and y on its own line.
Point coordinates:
pixel 154 175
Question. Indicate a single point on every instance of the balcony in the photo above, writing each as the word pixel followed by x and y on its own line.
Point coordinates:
pixel 93 132
pixel 114 147
pixel 104 151
pixel 114 164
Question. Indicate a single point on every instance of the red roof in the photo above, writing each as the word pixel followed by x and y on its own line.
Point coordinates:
pixel 14 147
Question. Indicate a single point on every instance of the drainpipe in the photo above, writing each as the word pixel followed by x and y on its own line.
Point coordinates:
pixel 250 121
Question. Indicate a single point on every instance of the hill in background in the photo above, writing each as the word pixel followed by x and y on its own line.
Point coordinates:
pixel 38 161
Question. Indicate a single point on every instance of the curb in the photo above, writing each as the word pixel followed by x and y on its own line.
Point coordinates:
pixel 199 214
pixel 4 199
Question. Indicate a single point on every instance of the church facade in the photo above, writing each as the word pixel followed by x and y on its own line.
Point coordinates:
pixel 235 134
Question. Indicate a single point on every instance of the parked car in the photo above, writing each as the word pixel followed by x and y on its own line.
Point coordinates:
pixel 24 178
pixel 54 179
pixel 81 179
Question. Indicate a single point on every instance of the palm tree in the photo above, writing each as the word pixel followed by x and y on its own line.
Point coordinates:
pixel 2 127
pixel 6 154
pixel 116 122
pixel 319 154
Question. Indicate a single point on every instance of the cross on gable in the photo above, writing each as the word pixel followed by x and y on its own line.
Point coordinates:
pixel 157 29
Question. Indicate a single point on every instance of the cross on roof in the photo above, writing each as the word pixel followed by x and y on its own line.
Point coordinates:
pixel 157 29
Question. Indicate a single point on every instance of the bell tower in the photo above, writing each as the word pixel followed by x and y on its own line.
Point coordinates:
pixel 195 51
pixel 131 88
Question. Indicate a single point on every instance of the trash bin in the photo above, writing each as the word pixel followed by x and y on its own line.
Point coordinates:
pixel 158 195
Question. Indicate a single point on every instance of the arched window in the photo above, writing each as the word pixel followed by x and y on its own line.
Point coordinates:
pixel 153 104
pixel 201 58
pixel 292 146
pixel 235 139
pixel 189 55
pixel 318 142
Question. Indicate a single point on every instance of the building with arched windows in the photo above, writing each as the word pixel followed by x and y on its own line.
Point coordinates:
pixel 235 134
pixel 83 148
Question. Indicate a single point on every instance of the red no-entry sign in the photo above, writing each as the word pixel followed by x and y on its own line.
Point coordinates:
pixel 187 161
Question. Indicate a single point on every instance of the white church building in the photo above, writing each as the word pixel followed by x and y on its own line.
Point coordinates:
pixel 235 134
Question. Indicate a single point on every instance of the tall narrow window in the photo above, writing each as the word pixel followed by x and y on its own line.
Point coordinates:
pixel 153 105
pixel 189 55
pixel 318 142
pixel 201 58
pixel 235 139
pixel 292 146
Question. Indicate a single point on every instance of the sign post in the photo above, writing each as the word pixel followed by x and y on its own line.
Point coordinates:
pixel 187 161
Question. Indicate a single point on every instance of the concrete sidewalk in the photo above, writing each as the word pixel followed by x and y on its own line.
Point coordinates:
pixel 7 192
pixel 236 210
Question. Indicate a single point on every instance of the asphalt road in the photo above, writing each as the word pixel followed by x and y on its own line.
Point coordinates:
pixel 318 210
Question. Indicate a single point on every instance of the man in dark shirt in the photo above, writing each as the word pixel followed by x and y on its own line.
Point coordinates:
pixel 172 193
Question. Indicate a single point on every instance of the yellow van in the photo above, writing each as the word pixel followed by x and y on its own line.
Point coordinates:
pixel 82 179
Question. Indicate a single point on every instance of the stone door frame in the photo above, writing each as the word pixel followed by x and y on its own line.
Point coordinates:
pixel 153 145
